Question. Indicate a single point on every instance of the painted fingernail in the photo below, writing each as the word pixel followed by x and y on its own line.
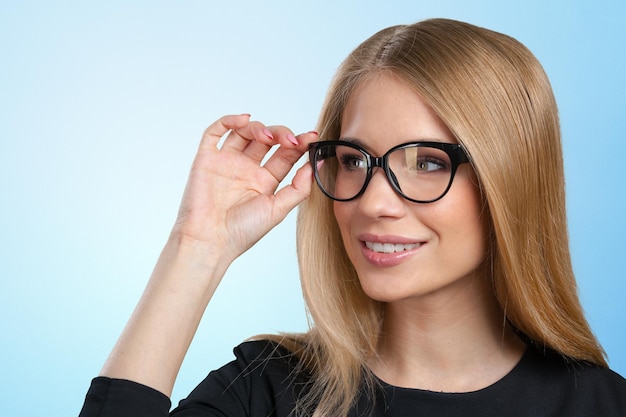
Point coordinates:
pixel 267 133
pixel 292 138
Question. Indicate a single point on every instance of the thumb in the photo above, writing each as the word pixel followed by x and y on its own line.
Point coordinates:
pixel 288 197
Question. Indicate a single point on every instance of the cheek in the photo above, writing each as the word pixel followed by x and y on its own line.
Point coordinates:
pixel 343 213
pixel 472 226
pixel 340 210
pixel 466 219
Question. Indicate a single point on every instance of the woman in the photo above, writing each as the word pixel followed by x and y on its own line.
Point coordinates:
pixel 433 253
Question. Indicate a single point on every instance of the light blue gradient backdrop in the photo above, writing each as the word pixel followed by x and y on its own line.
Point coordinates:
pixel 101 108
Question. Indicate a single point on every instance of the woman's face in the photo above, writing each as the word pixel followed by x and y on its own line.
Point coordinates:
pixel 436 246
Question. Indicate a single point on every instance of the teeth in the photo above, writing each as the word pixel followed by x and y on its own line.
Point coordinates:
pixel 389 247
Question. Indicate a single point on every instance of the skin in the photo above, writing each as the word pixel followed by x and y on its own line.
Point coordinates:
pixel 443 329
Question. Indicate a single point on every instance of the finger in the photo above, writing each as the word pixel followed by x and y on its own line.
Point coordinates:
pixel 256 139
pixel 220 127
pixel 281 162
pixel 283 136
pixel 307 138
pixel 239 139
pixel 257 151
pixel 269 136
pixel 288 197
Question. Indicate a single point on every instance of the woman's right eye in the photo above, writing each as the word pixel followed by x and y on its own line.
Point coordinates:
pixel 352 162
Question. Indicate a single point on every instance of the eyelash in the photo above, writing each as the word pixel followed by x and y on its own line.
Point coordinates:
pixel 345 159
pixel 437 161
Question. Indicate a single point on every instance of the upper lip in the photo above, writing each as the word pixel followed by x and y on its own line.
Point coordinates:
pixel 393 239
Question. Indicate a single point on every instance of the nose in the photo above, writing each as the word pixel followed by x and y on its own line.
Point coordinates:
pixel 380 199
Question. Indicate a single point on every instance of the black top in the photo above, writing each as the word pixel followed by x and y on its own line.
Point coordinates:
pixel 262 382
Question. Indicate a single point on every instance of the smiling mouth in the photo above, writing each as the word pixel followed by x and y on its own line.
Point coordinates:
pixel 390 247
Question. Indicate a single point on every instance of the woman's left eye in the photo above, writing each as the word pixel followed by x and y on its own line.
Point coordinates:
pixel 429 165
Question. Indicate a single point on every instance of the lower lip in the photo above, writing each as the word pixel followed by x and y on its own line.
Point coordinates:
pixel 387 259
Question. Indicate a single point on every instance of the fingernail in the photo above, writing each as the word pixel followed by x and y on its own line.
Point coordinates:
pixel 246 114
pixel 268 133
pixel 314 132
pixel 292 138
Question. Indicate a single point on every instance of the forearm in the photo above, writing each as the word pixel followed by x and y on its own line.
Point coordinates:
pixel 155 340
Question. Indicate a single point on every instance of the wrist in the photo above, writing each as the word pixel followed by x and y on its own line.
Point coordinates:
pixel 202 254
pixel 189 267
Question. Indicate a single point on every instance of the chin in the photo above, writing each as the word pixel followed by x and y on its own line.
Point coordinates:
pixel 385 292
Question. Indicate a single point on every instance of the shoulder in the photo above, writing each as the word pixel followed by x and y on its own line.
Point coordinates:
pixel 264 378
pixel 262 350
pixel 572 370
pixel 263 356
pixel 578 384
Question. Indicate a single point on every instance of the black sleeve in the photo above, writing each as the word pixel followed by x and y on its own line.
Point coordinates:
pixel 121 398
pixel 261 381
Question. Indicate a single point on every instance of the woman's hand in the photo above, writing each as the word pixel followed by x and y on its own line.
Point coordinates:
pixel 230 200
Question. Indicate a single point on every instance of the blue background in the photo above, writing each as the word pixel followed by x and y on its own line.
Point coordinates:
pixel 101 108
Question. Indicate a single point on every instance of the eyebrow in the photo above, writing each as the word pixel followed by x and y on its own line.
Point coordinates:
pixel 355 141
pixel 360 143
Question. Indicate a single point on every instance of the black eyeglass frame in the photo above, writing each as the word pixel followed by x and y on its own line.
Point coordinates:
pixel 455 152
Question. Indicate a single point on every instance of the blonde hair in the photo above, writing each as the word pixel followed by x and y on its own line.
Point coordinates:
pixel 493 94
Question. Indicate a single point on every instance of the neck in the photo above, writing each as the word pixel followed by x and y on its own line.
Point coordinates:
pixel 453 342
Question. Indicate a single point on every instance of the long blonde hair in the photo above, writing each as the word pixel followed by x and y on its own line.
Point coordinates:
pixel 493 94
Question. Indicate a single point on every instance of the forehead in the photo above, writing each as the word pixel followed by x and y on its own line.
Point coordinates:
pixel 384 110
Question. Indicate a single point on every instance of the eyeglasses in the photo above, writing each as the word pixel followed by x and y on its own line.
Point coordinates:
pixel 421 172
